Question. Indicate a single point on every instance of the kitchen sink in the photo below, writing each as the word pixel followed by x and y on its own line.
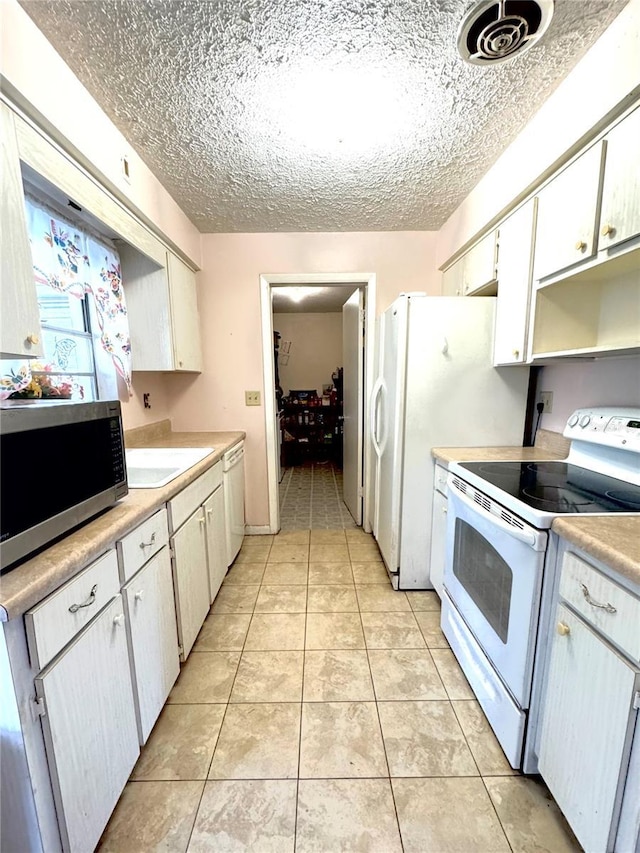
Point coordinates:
pixel 152 467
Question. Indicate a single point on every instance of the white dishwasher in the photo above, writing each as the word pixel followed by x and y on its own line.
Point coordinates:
pixel 233 474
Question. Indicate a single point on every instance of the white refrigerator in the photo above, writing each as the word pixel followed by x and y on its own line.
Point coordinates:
pixel 436 387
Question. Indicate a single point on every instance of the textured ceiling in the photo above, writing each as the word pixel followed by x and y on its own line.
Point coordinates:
pixel 309 299
pixel 322 115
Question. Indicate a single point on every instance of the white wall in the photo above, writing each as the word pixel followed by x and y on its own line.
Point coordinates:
pixel 316 349
pixel 606 382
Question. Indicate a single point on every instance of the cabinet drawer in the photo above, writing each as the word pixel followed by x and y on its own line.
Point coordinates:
pixel 56 620
pixel 440 479
pixel 189 499
pixel 141 544
pixel 594 596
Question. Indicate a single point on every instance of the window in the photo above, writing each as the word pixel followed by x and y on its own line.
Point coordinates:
pixel 85 334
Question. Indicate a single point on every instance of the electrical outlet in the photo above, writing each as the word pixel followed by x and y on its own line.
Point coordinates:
pixel 252 398
pixel 546 398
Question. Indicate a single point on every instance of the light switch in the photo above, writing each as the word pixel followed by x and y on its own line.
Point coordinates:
pixel 252 398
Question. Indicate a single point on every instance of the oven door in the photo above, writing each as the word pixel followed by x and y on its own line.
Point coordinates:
pixel 493 575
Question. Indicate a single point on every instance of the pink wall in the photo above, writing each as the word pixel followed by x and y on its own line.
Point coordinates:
pixel 45 82
pixel 229 301
pixel 575 384
pixel 134 413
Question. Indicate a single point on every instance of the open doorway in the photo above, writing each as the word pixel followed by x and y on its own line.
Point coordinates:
pixel 318 364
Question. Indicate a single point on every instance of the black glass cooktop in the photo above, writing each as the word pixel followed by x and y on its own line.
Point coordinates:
pixel 558 487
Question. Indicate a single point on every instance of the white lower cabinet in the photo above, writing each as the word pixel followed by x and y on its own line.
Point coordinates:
pixel 89 725
pixel 153 636
pixel 216 540
pixel 190 579
pixel 589 716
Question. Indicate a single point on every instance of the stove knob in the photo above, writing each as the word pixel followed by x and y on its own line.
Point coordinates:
pixel 585 420
pixel 573 420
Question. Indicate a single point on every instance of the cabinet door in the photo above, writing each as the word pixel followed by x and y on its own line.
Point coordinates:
pixel 90 727
pixel 438 541
pixel 452 279
pixel 587 722
pixel 620 218
pixel 479 265
pixel 20 318
pixel 515 248
pixel 153 635
pixel 190 579
pixel 184 315
pixel 567 215
pixel 216 541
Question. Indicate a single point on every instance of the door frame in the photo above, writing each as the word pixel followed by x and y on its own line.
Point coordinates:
pixel 367 281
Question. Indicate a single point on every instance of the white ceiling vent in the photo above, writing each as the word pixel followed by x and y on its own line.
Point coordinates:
pixel 497 30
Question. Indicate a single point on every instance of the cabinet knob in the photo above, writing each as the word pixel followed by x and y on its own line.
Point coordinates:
pixel 139 595
pixel 563 629
pixel 458 292
pixel 466 288
pixel 444 509
pixel 515 353
pixel 581 246
pixel 180 363
pixel 33 339
pixel 201 519
pixel 607 229
pixel 209 513
pixel 119 619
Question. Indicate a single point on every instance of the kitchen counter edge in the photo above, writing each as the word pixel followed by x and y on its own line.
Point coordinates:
pixel 24 586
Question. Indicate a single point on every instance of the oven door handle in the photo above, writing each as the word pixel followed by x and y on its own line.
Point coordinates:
pixel 529 537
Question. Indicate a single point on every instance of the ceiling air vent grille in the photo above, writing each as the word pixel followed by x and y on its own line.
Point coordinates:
pixel 497 30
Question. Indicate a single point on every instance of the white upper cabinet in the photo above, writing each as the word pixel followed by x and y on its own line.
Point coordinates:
pixel 567 215
pixel 187 352
pixel 163 312
pixel 620 219
pixel 20 330
pixel 515 248
pixel 474 271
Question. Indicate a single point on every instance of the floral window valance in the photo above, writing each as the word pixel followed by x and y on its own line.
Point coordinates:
pixel 75 262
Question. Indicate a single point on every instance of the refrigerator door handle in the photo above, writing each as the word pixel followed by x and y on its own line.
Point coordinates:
pixel 375 397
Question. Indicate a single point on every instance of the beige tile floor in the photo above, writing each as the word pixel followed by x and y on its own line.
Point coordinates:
pixel 322 711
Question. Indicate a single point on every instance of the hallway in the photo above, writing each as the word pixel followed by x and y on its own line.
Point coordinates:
pixel 322 711
pixel 311 498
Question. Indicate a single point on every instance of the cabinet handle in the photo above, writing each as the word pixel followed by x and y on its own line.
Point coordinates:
pixel 563 629
pixel 139 595
pixel 119 619
pixel 33 339
pixel 581 246
pixel 587 595
pixel 608 229
pixel 148 544
pixel 92 597
pixel 209 512
pixel 201 520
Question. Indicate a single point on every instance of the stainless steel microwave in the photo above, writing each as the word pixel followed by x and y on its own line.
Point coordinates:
pixel 60 464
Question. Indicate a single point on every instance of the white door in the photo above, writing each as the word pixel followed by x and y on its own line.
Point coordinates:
pixel 587 721
pixel 353 379
pixel 90 727
pixel 216 540
pixel 151 614
pixel 389 415
pixel 190 579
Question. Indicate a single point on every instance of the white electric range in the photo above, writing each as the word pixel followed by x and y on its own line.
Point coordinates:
pixel 499 558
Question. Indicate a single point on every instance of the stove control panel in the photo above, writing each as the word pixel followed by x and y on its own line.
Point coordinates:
pixel 613 427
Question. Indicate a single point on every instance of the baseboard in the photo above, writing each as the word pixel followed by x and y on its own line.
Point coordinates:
pixel 257 529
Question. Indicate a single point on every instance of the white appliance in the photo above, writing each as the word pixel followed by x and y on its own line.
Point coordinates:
pixel 436 386
pixel 233 481
pixel 498 574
